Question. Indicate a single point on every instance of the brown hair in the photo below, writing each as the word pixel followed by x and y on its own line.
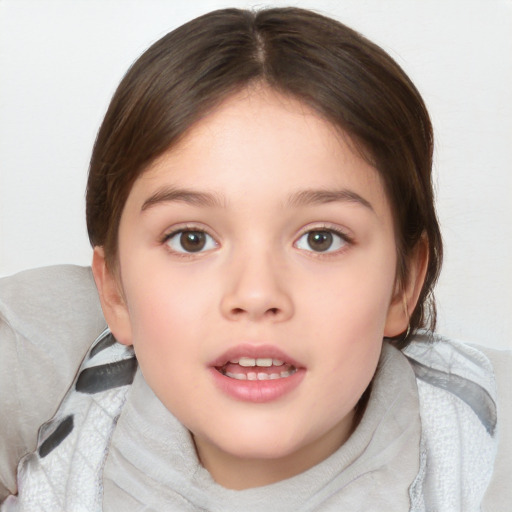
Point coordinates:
pixel 348 80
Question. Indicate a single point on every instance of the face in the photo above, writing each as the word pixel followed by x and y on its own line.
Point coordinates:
pixel 257 275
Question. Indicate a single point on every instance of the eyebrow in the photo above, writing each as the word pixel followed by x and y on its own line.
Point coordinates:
pixel 172 194
pixel 312 197
pixel 206 199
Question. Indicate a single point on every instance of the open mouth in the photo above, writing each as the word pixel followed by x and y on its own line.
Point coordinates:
pixel 261 368
pixel 256 374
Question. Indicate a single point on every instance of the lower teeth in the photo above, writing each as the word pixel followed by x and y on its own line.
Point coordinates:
pixel 260 375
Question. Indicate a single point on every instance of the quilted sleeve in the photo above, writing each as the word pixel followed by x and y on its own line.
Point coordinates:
pixel 49 317
pixel 499 492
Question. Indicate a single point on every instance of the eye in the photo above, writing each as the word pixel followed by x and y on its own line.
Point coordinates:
pixel 321 240
pixel 190 241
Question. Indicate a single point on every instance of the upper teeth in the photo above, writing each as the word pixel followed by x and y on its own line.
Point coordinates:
pixel 260 361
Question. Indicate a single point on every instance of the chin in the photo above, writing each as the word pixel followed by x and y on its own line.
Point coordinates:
pixel 259 445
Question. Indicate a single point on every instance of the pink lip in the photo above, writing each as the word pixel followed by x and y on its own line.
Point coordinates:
pixel 258 391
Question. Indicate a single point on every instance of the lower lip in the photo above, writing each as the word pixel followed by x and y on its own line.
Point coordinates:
pixel 257 391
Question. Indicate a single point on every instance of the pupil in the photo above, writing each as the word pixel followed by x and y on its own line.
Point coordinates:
pixel 192 241
pixel 320 240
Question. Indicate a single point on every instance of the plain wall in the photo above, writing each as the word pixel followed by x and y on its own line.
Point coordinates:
pixel 61 60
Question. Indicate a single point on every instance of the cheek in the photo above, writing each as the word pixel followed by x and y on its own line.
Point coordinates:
pixel 354 297
pixel 157 288
pixel 346 315
pixel 168 311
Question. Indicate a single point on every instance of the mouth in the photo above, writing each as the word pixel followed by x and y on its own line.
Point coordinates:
pixel 256 373
pixel 253 369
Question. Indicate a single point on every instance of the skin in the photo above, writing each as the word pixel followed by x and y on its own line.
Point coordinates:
pixel 258 281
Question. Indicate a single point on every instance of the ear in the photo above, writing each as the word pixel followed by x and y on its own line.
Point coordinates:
pixel 406 294
pixel 112 299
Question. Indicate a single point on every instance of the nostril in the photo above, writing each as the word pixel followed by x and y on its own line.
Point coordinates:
pixel 241 311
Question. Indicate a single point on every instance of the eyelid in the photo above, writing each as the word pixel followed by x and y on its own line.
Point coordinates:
pixel 187 226
pixel 175 230
pixel 345 236
pixel 344 233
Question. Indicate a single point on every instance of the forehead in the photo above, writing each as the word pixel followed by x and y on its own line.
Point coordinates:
pixel 262 143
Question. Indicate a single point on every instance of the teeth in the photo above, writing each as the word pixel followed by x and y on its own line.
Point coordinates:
pixel 264 362
pixel 247 361
pixel 260 375
pixel 237 376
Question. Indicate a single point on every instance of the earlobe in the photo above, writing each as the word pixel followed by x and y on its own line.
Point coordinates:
pixel 406 296
pixel 112 301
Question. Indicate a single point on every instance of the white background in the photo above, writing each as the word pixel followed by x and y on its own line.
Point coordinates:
pixel 60 61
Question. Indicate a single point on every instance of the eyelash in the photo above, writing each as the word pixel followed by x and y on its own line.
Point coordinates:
pixel 345 239
pixel 182 230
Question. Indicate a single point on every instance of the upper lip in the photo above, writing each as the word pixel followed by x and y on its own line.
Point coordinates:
pixel 255 352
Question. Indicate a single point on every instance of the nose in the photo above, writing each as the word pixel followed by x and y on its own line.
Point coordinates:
pixel 257 288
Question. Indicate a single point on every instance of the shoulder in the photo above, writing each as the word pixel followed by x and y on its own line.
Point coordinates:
pixel 49 318
pixel 482 378
pixel 499 493
pixel 51 301
pixel 464 368
pixel 458 368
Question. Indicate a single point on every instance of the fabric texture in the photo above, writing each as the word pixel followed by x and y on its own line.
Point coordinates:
pixel 48 317
pixel 458 407
pixel 65 472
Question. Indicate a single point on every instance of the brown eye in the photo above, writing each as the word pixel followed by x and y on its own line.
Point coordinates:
pixel 193 241
pixel 321 240
pixel 189 241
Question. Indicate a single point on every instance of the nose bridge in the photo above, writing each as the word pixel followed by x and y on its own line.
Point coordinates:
pixel 256 285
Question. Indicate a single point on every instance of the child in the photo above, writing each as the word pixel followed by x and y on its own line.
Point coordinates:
pixel 261 211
